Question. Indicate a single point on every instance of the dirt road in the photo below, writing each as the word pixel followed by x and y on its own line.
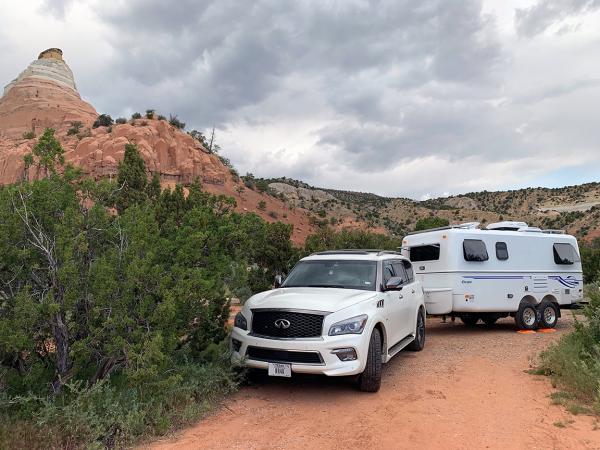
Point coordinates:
pixel 467 390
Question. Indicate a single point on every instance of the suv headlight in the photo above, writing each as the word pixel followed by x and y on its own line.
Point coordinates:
pixel 354 325
pixel 240 321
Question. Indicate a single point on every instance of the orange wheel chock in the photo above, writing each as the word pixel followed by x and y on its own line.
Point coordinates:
pixel 547 330
pixel 526 331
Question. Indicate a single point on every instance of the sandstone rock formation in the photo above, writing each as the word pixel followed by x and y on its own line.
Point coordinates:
pixel 45 95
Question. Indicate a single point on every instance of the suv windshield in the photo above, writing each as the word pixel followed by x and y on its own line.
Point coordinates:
pixel 334 274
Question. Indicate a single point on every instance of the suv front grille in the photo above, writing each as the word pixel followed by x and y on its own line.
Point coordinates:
pixel 285 356
pixel 272 323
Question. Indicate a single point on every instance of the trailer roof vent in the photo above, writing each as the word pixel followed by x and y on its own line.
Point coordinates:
pixel 507 225
pixel 530 229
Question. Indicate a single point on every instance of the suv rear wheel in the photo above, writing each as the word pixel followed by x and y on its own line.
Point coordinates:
pixel 419 342
pixel 370 379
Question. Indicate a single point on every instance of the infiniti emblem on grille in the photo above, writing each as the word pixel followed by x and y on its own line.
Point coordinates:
pixel 282 323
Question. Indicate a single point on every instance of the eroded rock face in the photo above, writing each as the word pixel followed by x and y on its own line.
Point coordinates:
pixel 45 96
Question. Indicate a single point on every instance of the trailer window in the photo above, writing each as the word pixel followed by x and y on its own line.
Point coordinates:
pixel 501 251
pixel 425 253
pixel 565 254
pixel 474 250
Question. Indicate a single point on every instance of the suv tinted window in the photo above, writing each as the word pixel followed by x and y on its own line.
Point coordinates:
pixel 425 253
pixel 388 272
pixel 399 271
pixel 565 254
pixel 501 251
pixel 474 250
pixel 409 271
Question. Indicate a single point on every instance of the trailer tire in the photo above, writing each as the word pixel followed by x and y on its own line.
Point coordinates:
pixel 469 320
pixel 419 342
pixel 526 317
pixel 370 379
pixel 548 314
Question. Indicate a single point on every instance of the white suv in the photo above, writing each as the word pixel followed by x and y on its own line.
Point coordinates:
pixel 338 313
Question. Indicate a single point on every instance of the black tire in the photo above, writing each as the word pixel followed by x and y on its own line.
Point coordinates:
pixel 370 379
pixel 526 317
pixel 419 342
pixel 469 320
pixel 548 314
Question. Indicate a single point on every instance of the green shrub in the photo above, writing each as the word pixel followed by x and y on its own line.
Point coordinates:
pixel 75 128
pixel 161 117
pixel 150 114
pixel 136 115
pixel 173 120
pixel 574 362
pixel 262 205
pixel 112 324
pixel 29 135
pixel 121 120
pixel 103 120
pixel 431 222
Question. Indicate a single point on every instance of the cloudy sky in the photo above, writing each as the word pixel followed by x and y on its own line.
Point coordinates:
pixel 400 97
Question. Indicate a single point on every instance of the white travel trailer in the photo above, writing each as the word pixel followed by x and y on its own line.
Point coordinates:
pixel 506 269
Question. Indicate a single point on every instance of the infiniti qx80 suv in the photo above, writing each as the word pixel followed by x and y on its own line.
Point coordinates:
pixel 338 313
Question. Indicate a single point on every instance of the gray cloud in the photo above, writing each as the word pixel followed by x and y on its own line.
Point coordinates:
pixel 337 91
pixel 58 8
pixel 538 18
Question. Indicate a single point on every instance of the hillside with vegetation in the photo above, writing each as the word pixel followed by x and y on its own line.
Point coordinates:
pixel 575 209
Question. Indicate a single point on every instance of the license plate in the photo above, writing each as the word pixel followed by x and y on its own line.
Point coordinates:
pixel 280 370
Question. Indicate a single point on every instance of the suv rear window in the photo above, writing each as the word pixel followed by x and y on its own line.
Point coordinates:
pixel 425 253
pixel 565 254
pixel 474 250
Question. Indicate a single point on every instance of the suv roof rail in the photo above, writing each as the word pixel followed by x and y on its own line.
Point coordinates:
pixel 463 226
pixel 348 251
pixel 352 251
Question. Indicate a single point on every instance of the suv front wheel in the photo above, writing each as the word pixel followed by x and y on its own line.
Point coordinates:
pixel 370 379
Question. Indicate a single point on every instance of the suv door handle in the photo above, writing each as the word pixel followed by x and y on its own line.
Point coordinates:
pixel 400 296
pixel 413 291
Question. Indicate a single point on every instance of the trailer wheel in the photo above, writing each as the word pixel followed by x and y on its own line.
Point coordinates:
pixel 469 320
pixel 370 379
pixel 526 317
pixel 419 342
pixel 548 314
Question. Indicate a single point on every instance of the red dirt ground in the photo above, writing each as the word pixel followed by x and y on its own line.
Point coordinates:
pixel 468 389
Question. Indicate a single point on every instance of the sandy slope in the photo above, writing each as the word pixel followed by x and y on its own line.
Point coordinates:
pixel 467 389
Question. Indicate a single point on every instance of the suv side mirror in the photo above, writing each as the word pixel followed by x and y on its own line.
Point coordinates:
pixel 394 284
pixel 278 281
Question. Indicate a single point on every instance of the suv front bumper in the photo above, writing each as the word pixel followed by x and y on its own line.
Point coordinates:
pixel 329 363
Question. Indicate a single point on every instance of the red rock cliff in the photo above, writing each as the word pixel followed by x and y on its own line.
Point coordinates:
pixel 45 95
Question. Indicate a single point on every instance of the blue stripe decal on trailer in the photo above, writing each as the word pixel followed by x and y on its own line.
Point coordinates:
pixel 569 281
pixel 495 277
